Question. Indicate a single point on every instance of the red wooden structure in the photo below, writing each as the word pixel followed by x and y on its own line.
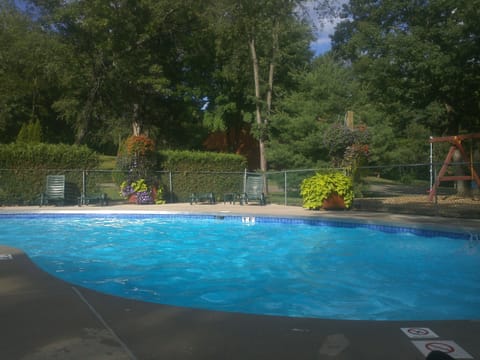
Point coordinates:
pixel 456 144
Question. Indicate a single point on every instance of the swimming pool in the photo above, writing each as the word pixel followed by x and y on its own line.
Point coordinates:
pixel 289 267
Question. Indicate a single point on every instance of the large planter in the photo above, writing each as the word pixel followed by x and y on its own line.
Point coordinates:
pixel 332 191
pixel 334 202
pixel 139 198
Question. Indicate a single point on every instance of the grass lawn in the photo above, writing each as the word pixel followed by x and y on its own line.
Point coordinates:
pixel 107 162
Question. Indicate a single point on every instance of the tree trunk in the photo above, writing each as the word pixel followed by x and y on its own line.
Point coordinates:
pixel 258 112
pixel 271 70
pixel 136 126
pixel 271 75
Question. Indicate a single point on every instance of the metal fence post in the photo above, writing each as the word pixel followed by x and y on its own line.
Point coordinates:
pixel 245 181
pixel 285 187
pixel 170 185
pixel 436 192
pixel 84 188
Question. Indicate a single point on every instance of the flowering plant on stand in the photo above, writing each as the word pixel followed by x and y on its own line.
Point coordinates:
pixel 126 190
pixel 145 197
pixel 137 158
pixel 139 188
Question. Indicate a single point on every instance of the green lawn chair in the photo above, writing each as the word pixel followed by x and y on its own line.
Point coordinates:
pixel 202 197
pixel 253 190
pixel 58 191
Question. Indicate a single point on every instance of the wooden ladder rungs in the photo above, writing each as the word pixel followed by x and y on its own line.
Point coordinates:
pixel 455 178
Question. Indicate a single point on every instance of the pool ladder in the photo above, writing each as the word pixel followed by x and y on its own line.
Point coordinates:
pixel 474 240
pixel 248 219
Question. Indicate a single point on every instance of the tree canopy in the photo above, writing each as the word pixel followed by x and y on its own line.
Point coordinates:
pixel 420 59
pixel 238 75
pixel 177 70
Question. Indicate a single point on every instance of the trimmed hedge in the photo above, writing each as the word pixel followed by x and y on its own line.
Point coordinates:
pixel 47 156
pixel 200 161
pixel 202 172
pixel 24 167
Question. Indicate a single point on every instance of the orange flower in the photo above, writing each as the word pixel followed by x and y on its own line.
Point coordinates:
pixel 140 145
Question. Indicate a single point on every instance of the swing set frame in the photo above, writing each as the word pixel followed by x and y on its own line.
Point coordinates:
pixel 455 144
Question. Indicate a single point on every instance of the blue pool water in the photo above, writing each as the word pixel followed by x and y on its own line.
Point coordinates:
pixel 298 268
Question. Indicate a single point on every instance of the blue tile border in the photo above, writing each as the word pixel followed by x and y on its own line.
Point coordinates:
pixel 378 227
pixel 393 229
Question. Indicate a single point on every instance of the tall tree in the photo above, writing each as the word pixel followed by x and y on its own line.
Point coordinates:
pixel 419 58
pixel 30 69
pixel 320 97
pixel 136 65
pixel 261 37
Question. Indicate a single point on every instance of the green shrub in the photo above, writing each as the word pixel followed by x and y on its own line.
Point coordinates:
pixel 30 132
pixel 201 161
pixel 47 156
pixel 316 189
pixel 24 167
pixel 194 171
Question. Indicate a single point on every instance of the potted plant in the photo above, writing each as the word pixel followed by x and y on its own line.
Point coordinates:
pixel 137 156
pixel 136 192
pixel 328 191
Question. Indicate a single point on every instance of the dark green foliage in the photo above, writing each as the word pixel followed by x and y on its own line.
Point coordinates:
pixel 31 67
pixel 336 139
pixel 202 172
pixel 269 32
pixel 146 61
pixel 320 97
pixel 419 59
pixel 88 69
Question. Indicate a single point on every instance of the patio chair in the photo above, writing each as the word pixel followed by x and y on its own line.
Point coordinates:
pixel 58 191
pixel 253 190
pixel 208 198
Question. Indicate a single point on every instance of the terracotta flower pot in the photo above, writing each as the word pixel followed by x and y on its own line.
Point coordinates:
pixel 334 202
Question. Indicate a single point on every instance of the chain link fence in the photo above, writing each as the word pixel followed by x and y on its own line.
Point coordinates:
pixel 402 188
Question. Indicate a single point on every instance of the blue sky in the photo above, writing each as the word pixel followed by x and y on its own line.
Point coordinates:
pixel 322 44
pixel 323 30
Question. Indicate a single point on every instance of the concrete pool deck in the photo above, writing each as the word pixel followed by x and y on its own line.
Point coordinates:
pixel 46 318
